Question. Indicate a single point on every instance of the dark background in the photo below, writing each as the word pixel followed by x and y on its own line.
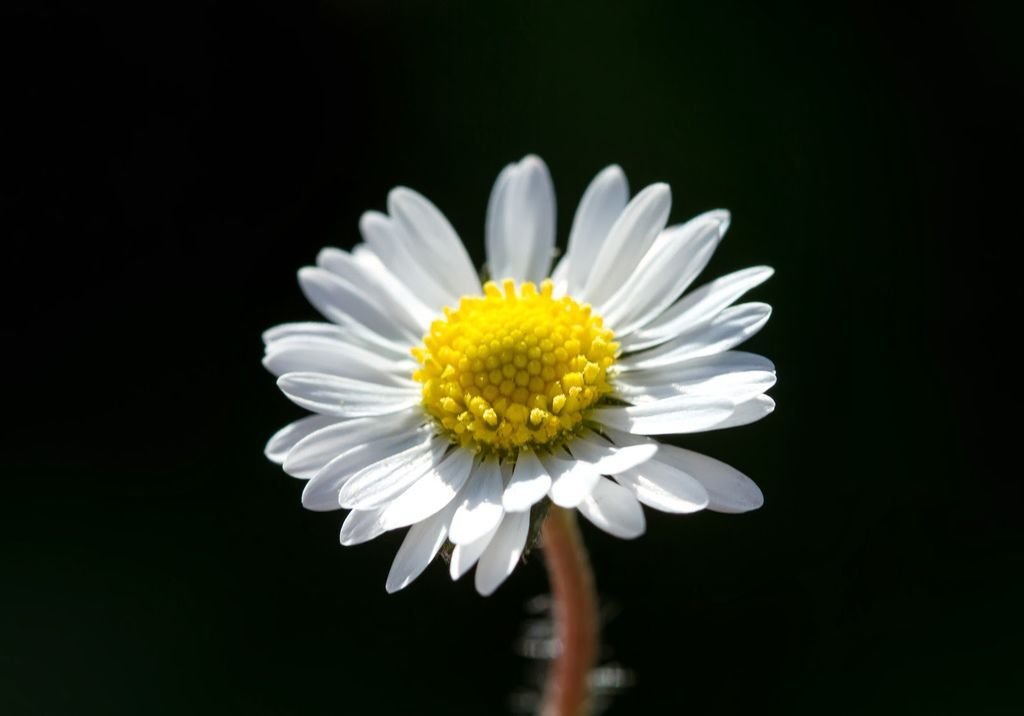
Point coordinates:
pixel 166 170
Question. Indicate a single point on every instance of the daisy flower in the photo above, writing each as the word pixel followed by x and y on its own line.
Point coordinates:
pixel 463 409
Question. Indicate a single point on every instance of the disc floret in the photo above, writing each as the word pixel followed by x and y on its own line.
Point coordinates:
pixel 513 369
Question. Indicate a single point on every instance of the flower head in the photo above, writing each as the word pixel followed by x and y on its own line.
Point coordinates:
pixel 459 409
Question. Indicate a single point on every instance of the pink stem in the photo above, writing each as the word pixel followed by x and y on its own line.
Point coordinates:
pixel 575 615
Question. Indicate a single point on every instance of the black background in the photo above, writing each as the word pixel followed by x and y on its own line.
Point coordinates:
pixel 168 167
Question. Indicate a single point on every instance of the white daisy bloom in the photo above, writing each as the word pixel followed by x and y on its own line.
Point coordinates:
pixel 456 408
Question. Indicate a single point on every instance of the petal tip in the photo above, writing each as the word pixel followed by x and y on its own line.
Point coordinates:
pixel 660 190
pixel 398 196
pixel 532 160
pixel 633 534
pixel 369 220
pixel 487 589
pixel 326 254
pixel 308 273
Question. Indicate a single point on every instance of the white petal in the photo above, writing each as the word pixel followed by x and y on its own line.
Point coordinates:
pixel 315 335
pixel 697 370
pixel 728 489
pixel 314 451
pixel 682 414
pixel 431 492
pixel 746 413
pixel 697 308
pixel 624 439
pixel 342 302
pixel 508 466
pixel 532 201
pixel 728 329
pixel 480 509
pixel 735 386
pixel 571 479
pixel 312 335
pixel 558 274
pixel 665 487
pixel 496 239
pixel 628 240
pixel 394 286
pixel 607 459
pixel 502 553
pixel 321 492
pixel 376 283
pixel 464 556
pixel 361 526
pixel 419 548
pixel 281 442
pixel 529 484
pixel 345 397
pixel 325 355
pixel 432 241
pixel 675 259
pixel 601 205
pixel 303 329
pixel 388 243
pixel 615 510
pixel 381 482
pixel 521 222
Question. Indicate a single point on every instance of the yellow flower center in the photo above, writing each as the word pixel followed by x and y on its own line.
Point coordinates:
pixel 511 369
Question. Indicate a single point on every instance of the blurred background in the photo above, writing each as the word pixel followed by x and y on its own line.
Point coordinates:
pixel 167 167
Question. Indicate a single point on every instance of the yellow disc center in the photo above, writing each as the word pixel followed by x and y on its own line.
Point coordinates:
pixel 514 368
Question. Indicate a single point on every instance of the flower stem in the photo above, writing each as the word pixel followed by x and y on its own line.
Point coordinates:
pixel 566 692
